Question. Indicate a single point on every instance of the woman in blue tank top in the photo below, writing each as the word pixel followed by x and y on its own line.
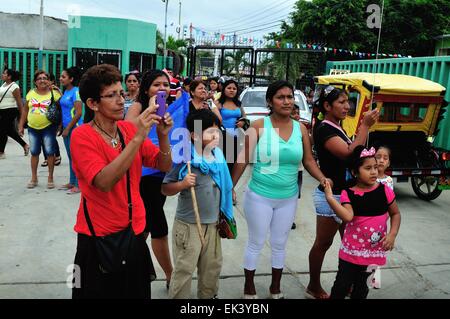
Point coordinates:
pixel 231 111
pixel 270 204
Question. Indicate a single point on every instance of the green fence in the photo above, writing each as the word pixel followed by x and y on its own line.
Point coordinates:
pixel 26 62
pixel 160 62
pixel 436 69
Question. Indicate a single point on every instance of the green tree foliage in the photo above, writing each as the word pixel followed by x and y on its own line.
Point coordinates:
pixel 409 26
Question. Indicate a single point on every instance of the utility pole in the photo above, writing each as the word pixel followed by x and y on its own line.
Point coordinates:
pixel 179 23
pixel 165 34
pixel 41 41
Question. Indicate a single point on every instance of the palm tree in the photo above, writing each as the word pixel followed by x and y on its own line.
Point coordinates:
pixel 235 62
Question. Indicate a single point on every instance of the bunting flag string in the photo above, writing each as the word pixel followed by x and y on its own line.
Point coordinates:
pixel 203 37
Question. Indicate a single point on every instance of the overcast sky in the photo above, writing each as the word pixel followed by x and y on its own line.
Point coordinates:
pixel 252 18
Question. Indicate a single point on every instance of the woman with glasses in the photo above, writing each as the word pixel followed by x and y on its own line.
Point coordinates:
pixel 10 105
pixel 71 110
pixel 333 148
pixel 108 154
pixel 40 129
pixel 132 81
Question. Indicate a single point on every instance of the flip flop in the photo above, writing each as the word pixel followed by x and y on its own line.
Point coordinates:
pixel 26 150
pixel 310 295
pixel 44 163
pixel 57 160
pixel 277 296
pixel 32 184
pixel 50 185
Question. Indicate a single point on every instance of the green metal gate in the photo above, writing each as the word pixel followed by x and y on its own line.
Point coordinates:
pixel 26 62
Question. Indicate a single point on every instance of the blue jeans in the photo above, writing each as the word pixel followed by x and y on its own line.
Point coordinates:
pixel 73 179
pixel 322 207
pixel 45 137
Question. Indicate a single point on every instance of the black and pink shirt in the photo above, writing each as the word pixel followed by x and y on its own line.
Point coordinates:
pixel 361 242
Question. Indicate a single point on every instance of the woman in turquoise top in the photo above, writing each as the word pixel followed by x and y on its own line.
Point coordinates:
pixel 71 110
pixel 270 204
pixel 231 111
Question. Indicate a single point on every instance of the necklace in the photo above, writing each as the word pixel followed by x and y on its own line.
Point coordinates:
pixel 114 141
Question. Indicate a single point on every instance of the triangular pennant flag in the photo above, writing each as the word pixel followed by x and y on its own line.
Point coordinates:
pixel 314 47
pixel 340 50
pixel 335 51
pixel 325 48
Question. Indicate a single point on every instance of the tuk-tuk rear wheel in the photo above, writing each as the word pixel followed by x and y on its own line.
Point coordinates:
pixel 426 187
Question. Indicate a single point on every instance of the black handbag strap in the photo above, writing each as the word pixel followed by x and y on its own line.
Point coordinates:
pixel 4 94
pixel 130 203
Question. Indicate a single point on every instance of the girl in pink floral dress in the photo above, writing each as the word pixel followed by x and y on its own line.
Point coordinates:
pixel 365 208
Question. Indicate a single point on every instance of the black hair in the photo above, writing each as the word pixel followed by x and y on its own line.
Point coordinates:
pixel 296 107
pixel 385 147
pixel 187 81
pixel 74 73
pixel 206 117
pixel 329 97
pixel 94 81
pixel 223 98
pixel 274 88
pixel 193 86
pixel 135 73
pixel 355 160
pixel 15 75
pixel 147 80
pixel 215 79
pixel 39 72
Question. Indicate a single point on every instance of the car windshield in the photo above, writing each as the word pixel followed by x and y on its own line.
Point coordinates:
pixel 258 99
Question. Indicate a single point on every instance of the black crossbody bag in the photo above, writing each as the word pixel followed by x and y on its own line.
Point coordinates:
pixel 115 250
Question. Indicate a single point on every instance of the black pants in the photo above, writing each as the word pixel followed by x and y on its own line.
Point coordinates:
pixel 8 128
pixel 350 276
pixel 155 217
pixel 134 283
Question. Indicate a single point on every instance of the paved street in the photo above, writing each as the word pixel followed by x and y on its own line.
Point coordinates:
pixel 37 242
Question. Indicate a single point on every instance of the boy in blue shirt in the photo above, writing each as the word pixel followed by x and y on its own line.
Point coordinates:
pixel 213 187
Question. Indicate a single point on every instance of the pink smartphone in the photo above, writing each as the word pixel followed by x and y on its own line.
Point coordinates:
pixel 161 97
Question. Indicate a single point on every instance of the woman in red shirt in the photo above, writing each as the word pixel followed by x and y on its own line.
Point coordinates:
pixel 101 163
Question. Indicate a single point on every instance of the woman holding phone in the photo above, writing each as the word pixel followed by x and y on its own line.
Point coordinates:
pixel 154 82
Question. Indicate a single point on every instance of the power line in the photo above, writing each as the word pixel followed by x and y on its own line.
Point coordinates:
pixel 277 22
pixel 257 23
pixel 252 18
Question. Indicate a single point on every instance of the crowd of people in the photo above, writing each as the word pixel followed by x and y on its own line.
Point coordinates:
pixel 120 147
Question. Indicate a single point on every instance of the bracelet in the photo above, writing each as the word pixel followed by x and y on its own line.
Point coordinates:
pixel 167 153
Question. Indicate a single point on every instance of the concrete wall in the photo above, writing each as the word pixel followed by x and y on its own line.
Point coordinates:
pixel 22 31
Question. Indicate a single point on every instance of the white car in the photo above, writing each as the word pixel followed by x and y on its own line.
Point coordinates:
pixel 254 103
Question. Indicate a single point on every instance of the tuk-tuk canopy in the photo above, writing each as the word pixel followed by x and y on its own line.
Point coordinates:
pixel 384 83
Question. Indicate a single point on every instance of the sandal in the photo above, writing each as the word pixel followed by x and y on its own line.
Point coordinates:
pixel 57 160
pixel 32 184
pixel 74 190
pixel 65 187
pixel 311 295
pixel 44 163
pixel 50 185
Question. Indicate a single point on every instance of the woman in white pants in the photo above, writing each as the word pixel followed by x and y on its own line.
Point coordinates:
pixel 271 199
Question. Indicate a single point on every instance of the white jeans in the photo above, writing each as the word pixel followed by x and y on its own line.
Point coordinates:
pixel 264 214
